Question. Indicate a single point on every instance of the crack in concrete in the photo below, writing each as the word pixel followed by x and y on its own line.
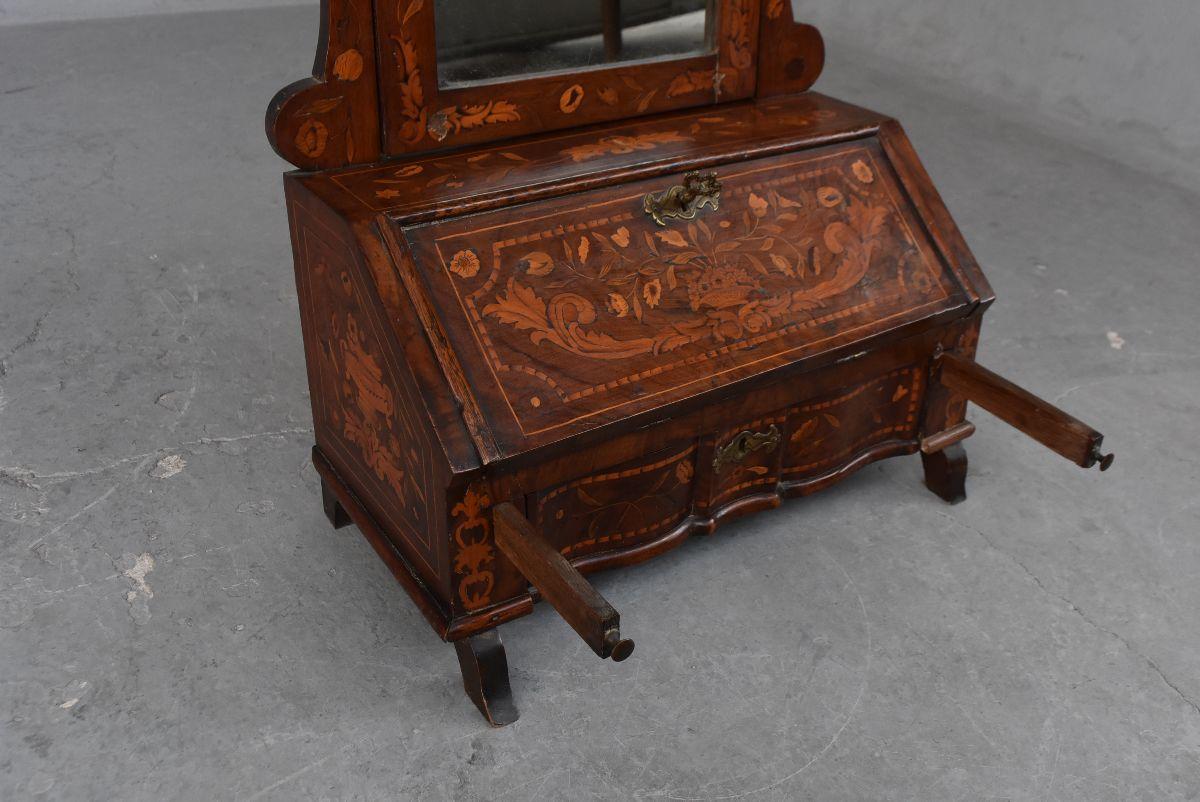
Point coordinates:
pixel 29 340
pixel 28 479
pixel 1078 611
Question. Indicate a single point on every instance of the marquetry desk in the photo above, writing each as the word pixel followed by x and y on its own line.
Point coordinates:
pixel 558 321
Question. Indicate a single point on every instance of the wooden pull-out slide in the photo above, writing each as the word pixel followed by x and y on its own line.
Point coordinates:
pixel 1021 409
pixel 565 588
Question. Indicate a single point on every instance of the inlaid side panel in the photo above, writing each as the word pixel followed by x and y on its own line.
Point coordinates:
pixel 618 509
pixel 827 434
pixel 367 412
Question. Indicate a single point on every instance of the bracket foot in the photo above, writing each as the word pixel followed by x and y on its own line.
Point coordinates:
pixel 946 473
pixel 334 511
pixel 485 677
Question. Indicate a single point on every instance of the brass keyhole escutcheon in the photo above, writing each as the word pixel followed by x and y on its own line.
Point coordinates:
pixel 744 445
pixel 685 201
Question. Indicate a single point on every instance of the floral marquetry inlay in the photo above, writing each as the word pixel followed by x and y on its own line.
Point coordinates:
pixel 369 406
pixel 367 412
pixel 594 293
pixel 475 555
pixel 621 507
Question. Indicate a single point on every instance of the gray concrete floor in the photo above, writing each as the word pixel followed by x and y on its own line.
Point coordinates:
pixel 177 621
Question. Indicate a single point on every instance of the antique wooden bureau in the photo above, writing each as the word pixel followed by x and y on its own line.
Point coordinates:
pixel 559 320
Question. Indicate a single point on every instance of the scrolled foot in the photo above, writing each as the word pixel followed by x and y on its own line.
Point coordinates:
pixel 485 677
pixel 946 473
pixel 334 510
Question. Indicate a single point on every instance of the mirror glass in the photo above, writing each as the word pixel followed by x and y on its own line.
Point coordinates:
pixel 481 41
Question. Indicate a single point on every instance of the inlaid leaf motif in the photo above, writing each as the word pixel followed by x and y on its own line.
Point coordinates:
pixel 457 119
pixel 406 13
pixel 538 263
pixel 867 220
pixel 805 430
pixel 521 308
pixel 498 112
pixel 739 35
pixel 348 66
pixel 587 498
pixel 412 95
pixel 584 249
pixel 672 238
pixel 690 81
pixel 621 237
pixel 617 145
pixel 322 106
pixel 836 235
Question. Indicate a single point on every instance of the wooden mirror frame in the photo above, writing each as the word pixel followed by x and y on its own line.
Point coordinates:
pixel 419 113
pixel 374 93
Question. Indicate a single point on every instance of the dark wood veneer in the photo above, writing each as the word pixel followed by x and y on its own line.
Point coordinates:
pixel 519 376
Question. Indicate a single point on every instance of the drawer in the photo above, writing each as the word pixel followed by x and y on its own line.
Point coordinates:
pixel 620 508
pixel 736 468
pixel 746 460
pixel 836 433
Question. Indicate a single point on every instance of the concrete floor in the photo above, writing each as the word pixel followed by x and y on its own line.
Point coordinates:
pixel 177 621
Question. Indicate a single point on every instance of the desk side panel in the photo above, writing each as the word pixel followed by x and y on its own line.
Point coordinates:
pixel 371 420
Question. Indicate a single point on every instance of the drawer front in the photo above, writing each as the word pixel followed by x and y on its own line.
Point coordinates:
pixel 576 312
pixel 829 434
pixel 746 459
pixel 621 508
pixel 800 448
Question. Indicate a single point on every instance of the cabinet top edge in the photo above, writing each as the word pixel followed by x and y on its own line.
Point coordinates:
pixel 440 185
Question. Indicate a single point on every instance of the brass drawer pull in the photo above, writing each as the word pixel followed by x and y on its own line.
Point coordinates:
pixel 744 445
pixel 684 202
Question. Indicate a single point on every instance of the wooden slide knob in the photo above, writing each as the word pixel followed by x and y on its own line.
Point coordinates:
pixel 1105 461
pixel 618 648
